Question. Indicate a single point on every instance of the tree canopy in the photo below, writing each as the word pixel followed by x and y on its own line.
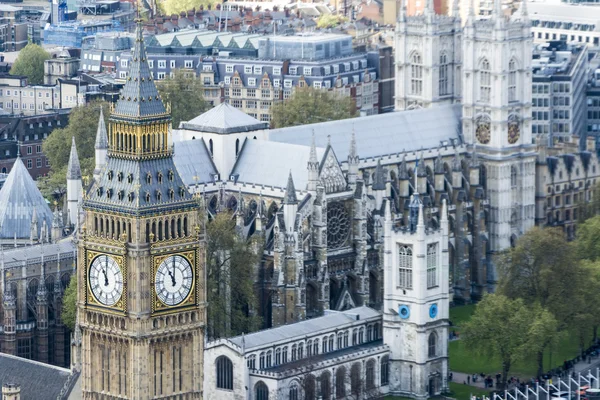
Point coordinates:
pixel 588 239
pixel 83 125
pixel 231 261
pixel 69 307
pixel 499 328
pixel 176 6
pixel 30 63
pixel 185 94
pixel 309 105
pixel 330 21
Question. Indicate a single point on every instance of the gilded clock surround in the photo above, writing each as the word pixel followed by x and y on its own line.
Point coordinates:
pixel 192 299
pixel 120 307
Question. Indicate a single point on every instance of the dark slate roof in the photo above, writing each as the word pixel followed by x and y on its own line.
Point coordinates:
pixel 139 97
pixel 73 168
pixel 115 179
pixel 224 119
pixel 37 380
pixel 19 197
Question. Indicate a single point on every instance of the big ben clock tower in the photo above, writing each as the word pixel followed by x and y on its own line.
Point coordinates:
pixel 141 298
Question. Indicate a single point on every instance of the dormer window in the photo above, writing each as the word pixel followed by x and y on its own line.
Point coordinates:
pixel 171 175
pixel 149 178
pixel 108 193
pixel 109 175
pixel 130 196
pixel 129 178
pixel 182 192
pixel 147 197
pixel 159 177
pixel 120 194
pixel 120 177
pixel 171 194
pixel 99 191
pixel 158 195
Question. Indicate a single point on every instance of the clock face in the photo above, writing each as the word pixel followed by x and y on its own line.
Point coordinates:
pixel 433 311
pixel 482 132
pixel 513 133
pixel 106 280
pixel 173 280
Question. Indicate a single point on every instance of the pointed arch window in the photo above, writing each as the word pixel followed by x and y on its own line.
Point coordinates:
pixel 432 280
pixel 432 344
pixel 512 80
pixel 485 81
pixel 405 267
pixel 416 74
pixel 443 88
pixel 224 373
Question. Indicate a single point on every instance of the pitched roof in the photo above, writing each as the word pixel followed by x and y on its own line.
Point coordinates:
pixel 260 162
pixel 19 197
pixel 139 98
pixel 37 380
pixel 224 119
pixel 101 136
pixel 380 135
pixel 73 168
pixel 302 329
pixel 193 160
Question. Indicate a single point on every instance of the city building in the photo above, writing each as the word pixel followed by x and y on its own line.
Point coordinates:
pixel 64 65
pixel 17 97
pixel 101 52
pixel 558 103
pixel 564 22
pixel 71 34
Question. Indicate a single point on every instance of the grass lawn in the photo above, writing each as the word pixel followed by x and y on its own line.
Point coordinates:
pixel 464 361
pixel 464 392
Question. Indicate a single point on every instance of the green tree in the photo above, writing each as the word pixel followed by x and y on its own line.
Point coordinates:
pixel 499 328
pixel 534 270
pixel 69 307
pixel 309 105
pixel 326 21
pixel 169 7
pixel 543 333
pixel 231 262
pixel 30 63
pixel 83 125
pixel 588 239
pixel 185 94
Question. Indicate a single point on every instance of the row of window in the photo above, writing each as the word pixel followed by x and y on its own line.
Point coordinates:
pixel 23 93
pixel 405 266
pixel 581 39
pixel 327 344
pixel 296 70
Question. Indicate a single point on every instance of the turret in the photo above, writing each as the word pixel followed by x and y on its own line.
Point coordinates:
pixel 101 146
pixel 403 178
pixel 34 227
pixel 474 167
pixel 9 304
pixel 353 161
pixel 438 170
pixel 313 167
pixel 378 184
pixel 74 186
pixel 290 206
pixel 41 307
pixel 421 176
pixel 456 170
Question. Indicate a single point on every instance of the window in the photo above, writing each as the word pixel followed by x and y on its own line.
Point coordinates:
pixel 512 81
pixel 317 85
pixel 307 71
pixel 38 148
pixel 162 64
pixel 432 343
pixel 29 149
pixel 224 373
pixel 346 336
pixel 340 383
pixel 257 70
pixel 160 75
pixel 384 368
pixel 188 64
pixel 124 63
pixel 262 360
pixel 287 83
pixel 276 83
pixel 355 380
pixel 316 347
pixel 172 63
pixel 300 350
pixel 293 392
pixel 513 177
pixel 284 354
pixel 261 391
pixel 229 68
pixel 340 340
pixel 251 104
pixel 370 375
pixel 294 352
pixel 251 81
pixel 248 69
pixel 151 63
pixel 38 163
pixel 278 356
pixel 265 94
pixel 432 265
pixel 293 70
pixel 405 267
pixel 443 74
pixel 227 80
pixel 269 358
pixel 485 82
pixel 416 75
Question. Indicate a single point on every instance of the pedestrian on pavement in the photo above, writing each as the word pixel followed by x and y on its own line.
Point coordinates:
pixel 469 379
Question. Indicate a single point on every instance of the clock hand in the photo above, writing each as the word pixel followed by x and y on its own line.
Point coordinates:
pixel 105 277
pixel 172 277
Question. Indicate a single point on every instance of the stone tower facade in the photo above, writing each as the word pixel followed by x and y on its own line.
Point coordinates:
pixel 141 292
pixel 428 59
pixel 416 303
pixel 497 119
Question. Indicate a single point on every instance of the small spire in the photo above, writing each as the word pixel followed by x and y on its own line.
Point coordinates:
pixel 456 162
pixel 352 153
pixel 497 13
pixel 471 14
pixel 455 9
pixel 429 10
pixel 313 149
pixel 421 166
pixel 421 221
pixel 18 149
pixel 379 177
pixel 402 12
pixel 101 136
pixel 73 168
pixel 34 217
pixel 474 158
pixel 290 192
pixel 438 165
pixel 403 170
pixel 444 211
pixel 524 11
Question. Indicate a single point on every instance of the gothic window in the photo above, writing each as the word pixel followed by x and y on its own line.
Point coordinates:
pixel 325 385
pixel 443 74
pixel 513 176
pixel 252 362
pixel 416 74
pixel 210 146
pixel 384 370
pixel 485 82
pixel 158 372
pixel 269 358
pixel 432 344
pixel 262 360
pixel 316 347
pixel 346 335
pixel 129 178
pixel 340 338
pixel 171 174
pixel 300 350
pixel 355 380
pixel 369 333
pixel 331 343
pixel 370 375
pixel 309 348
pixel 294 352
pixel 149 178
pixel 159 177
pixel 278 356
pixel 340 383
pixel 405 267
pixel 512 81
pixel 224 373
pixel 361 335
pixel 338 225
pixel 120 177
pixel 432 280
pixel 294 392
pixel 310 388
pixel 262 391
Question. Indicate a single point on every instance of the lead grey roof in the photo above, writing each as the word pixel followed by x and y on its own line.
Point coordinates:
pixel 269 163
pixel 192 159
pixel 73 168
pixel 380 135
pixel 139 97
pixel 19 197
pixel 224 119
pixel 37 380
pixel 304 328
pixel 101 136
pixel 16 256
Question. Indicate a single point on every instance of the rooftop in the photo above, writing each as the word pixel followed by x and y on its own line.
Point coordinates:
pixel 224 119
pixel 564 12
